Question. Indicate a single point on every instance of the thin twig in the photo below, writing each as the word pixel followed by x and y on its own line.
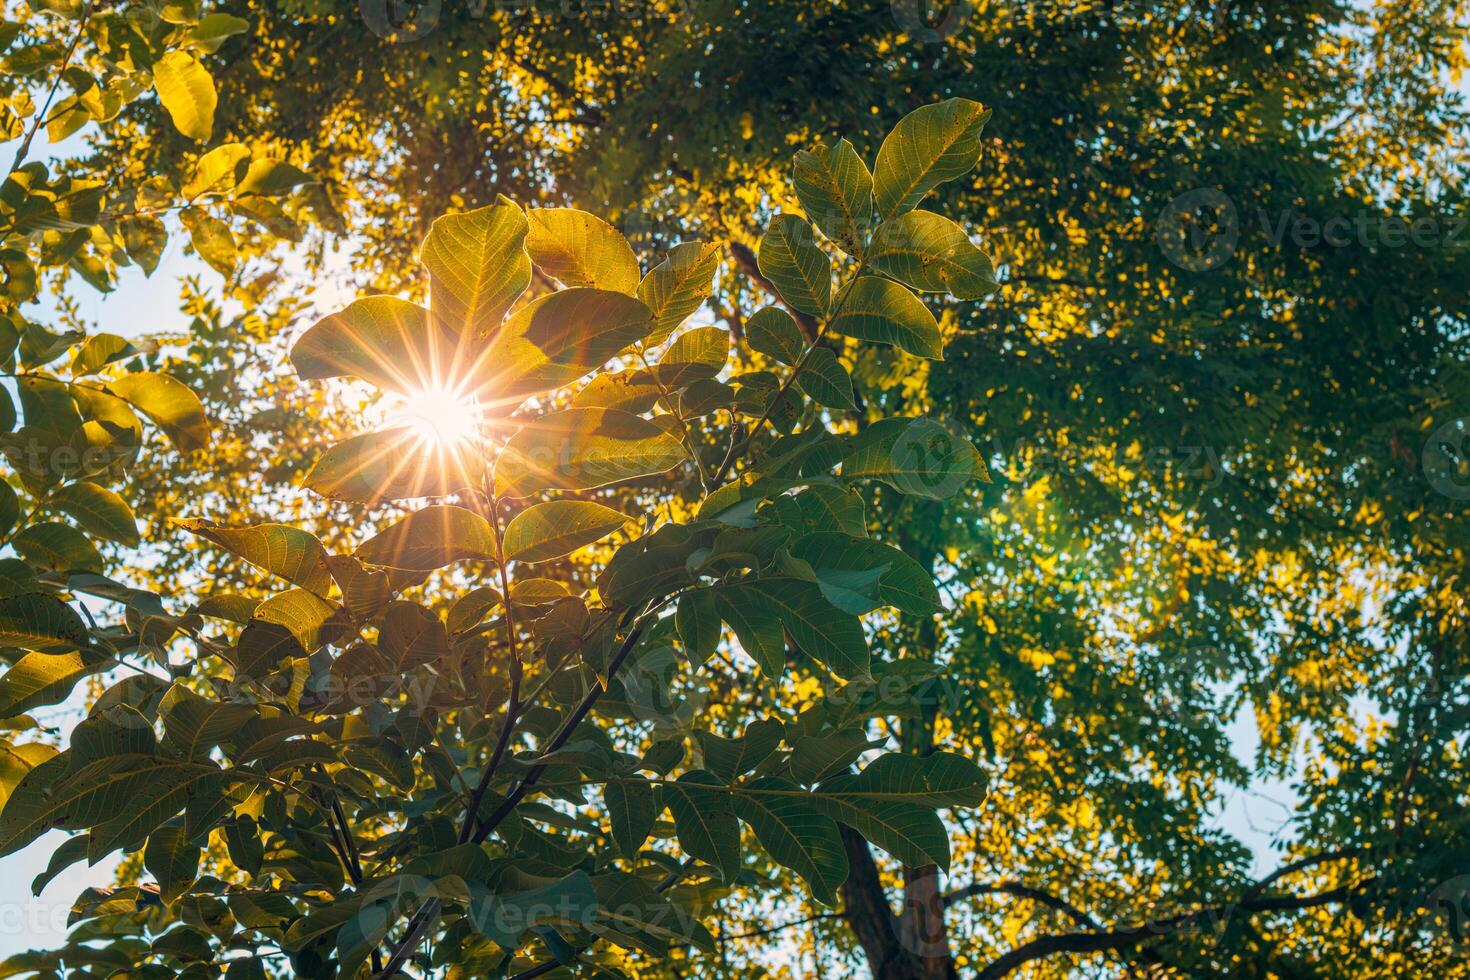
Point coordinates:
pixel 25 145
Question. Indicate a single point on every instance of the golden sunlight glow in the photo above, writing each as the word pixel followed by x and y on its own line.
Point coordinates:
pixel 441 415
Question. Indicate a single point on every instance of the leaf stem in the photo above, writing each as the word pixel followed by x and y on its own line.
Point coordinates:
pixel 513 702
pixel 25 144
pixel 736 451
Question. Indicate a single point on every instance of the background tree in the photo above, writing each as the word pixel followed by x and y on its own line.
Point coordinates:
pixel 1237 460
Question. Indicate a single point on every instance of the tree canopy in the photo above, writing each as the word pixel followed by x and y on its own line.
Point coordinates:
pixel 1211 357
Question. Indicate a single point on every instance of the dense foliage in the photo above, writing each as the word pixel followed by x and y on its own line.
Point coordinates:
pixel 1221 393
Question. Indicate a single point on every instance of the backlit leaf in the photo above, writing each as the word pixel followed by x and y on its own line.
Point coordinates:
pixel 677 286
pixel 800 271
pixel 556 528
pixel 431 538
pixel 556 339
pixel 293 554
pixel 580 249
pixel 773 332
pixel 584 448
pixel 795 833
pixel 43 678
pixel 383 340
pixel 932 254
pixel 187 92
pixel 883 311
pixel 836 192
pixel 393 464
pixel 477 266
pixel 931 145
pixel 169 403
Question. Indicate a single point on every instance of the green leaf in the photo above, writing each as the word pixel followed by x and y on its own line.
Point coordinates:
pixel 731 758
pixel 795 833
pixel 836 192
pixel 800 271
pixel 477 266
pixel 302 612
pixel 271 178
pixel 932 254
pixel 757 625
pixel 261 648
pixel 383 757
pixel 505 915
pixel 244 845
pixel 9 508
pixel 627 391
pixel 918 456
pixel 931 145
pixel 902 582
pixel 214 29
pixel 883 311
pixel 169 403
pixel 697 355
pixel 16 761
pixel 772 332
pixel 144 239
pixel 365 591
pixel 822 507
pixel 172 859
pixel 704 821
pixel 815 757
pixel 559 527
pixel 293 554
pixel 580 249
pixel 99 351
pixel 634 914
pixel 677 286
pixel 556 339
pixel 472 607
pixel 941 779
pixel 412 635
pixel 39 622
pixel 821 631
pixel 385 341
pixel 583 449
pixel 120 798
pixel 212 239
pixel 697 620
pixel 57 547
pixel 654 565
pixel 187 92
pixel 431 538
pixel 630 811
pixel 393 464
pixel 218 170
pixel 193 725
pixel 69 852
pixel 825 380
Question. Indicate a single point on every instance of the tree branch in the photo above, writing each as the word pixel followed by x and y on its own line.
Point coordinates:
pixel 1120 939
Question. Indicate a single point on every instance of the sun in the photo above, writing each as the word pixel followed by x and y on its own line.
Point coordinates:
pixel 441 415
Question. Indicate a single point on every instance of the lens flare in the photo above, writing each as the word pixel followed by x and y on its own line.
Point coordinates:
pixel 443 416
